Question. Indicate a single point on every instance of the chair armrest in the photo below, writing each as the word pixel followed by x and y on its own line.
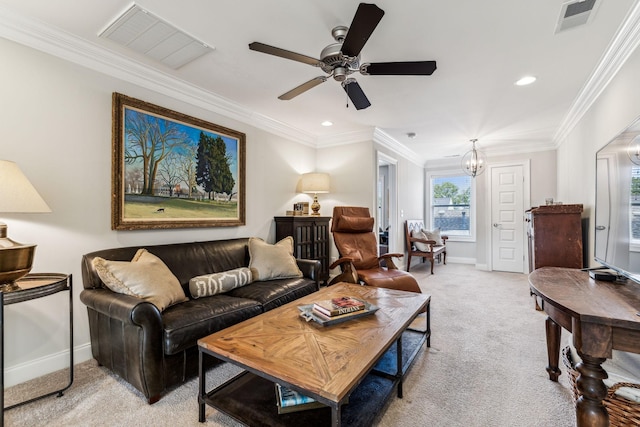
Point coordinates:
pixel 341 262
pixel 348 271
pixel 388 259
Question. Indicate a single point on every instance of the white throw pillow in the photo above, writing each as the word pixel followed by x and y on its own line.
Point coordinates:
pixel 218 283
pixel 422 247
pixel 272 261
pixel 146 277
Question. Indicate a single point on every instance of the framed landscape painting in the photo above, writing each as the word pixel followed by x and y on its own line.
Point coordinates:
pixel 171 170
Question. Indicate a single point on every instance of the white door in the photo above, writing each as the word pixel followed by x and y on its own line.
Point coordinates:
pixel 507 219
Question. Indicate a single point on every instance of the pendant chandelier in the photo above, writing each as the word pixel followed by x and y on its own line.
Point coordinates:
pixel 473 162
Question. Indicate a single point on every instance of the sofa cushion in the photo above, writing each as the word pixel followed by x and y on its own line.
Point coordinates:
pixel 354 224
pixel 146 277
pixel 184 324
pixel 218 283
pixel 272 261
pixel 275 293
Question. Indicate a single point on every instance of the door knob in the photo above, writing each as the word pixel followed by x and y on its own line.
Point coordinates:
pixel 496 225
pixel 601 227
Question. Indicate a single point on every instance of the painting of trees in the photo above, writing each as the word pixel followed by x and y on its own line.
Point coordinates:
pixel 150 140
pixel 174 170
pixel 213 171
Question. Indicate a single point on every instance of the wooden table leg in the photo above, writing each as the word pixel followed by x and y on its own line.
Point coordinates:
pixel 589 408
pixel 553 348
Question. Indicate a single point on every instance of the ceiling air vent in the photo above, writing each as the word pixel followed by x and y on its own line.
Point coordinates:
pixel 575 13
pixel 145 33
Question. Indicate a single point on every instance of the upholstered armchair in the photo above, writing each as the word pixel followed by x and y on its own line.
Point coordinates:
pixel 354 237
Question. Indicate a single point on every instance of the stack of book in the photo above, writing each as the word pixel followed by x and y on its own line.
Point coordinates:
pixel 291 401
pixel 340 306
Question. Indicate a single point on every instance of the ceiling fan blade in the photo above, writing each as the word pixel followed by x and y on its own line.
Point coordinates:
pixel 407 68
pixel 355 93
pixel 302 88
pixel 364 22
pixel 282 53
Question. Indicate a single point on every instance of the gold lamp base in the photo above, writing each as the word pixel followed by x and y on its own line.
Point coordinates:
pixel 16 260
pixel 315 206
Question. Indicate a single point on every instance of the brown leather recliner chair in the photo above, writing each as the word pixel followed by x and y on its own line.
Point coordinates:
pixel 352 229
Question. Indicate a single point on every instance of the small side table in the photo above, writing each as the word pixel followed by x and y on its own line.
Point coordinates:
pixel 33 286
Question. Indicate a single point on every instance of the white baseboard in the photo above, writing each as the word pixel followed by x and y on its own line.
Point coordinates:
pixel 26 371
pixel 460 260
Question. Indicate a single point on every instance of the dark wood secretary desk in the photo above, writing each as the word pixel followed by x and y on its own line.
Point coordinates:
pixel 310 238
pixel 555 236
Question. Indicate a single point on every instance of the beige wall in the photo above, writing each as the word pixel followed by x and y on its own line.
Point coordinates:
pixel 615 109
pixel 542 185
pixel 57 127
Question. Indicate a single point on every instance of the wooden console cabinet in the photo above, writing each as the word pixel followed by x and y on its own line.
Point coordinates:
pixel 555 236
pixel 310 238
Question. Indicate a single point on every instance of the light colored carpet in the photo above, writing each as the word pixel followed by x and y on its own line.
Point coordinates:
pixel 485 367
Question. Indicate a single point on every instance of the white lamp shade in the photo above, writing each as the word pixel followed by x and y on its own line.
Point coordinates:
pixel 314 183
pixel 17 195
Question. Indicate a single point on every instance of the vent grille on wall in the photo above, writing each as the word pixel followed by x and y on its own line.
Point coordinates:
pixel 575 13
pixel 145 33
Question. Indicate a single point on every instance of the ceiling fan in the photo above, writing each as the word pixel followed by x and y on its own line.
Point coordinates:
pixel 341 59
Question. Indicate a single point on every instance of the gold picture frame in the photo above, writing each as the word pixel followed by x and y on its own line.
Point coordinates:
pixel 171 170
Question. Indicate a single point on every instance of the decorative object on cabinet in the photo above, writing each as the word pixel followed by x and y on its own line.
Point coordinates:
pixel 473 161
pixel 17 195
pixel 171 170
pixel 314 183
pixel 29 287
pixel 555 236
pixel 310 238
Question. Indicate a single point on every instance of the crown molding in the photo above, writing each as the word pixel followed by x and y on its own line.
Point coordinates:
pixel 52 41
pixel 386 140
pixel 345 138
pixel 623 44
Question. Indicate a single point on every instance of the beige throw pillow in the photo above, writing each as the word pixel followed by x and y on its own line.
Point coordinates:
pixel 146 277
pixel 272 261
pixel 218 283
pixel 434 235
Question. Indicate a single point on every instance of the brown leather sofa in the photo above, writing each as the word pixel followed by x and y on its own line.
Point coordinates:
pixel 155 350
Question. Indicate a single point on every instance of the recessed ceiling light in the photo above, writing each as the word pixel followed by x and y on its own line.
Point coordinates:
pixel 327 123
pixel 526 80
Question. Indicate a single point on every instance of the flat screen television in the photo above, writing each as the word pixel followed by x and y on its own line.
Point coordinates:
pixel 617 208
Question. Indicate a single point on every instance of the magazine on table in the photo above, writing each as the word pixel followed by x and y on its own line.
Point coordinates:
pixel 339 305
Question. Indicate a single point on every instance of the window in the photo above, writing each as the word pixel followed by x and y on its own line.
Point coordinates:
pixel 452 204
pixel 634 207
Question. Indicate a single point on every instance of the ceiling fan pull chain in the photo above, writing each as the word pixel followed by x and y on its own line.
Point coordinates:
pixel 347 92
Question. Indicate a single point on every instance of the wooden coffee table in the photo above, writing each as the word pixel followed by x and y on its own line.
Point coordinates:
pixel 354 361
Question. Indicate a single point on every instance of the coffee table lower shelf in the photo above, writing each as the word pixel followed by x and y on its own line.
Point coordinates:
pixel 250 399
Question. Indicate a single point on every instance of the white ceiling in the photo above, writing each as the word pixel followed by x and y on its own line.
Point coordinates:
pixel 481 48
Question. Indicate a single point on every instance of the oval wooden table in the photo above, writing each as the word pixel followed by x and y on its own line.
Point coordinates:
pixel 602 316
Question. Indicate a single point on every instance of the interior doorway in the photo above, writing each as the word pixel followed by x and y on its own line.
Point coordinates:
pixel 386 203
pixel 509 194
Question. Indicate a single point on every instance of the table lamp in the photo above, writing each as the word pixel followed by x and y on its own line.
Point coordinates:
pixel 314 183
pixel 17 195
